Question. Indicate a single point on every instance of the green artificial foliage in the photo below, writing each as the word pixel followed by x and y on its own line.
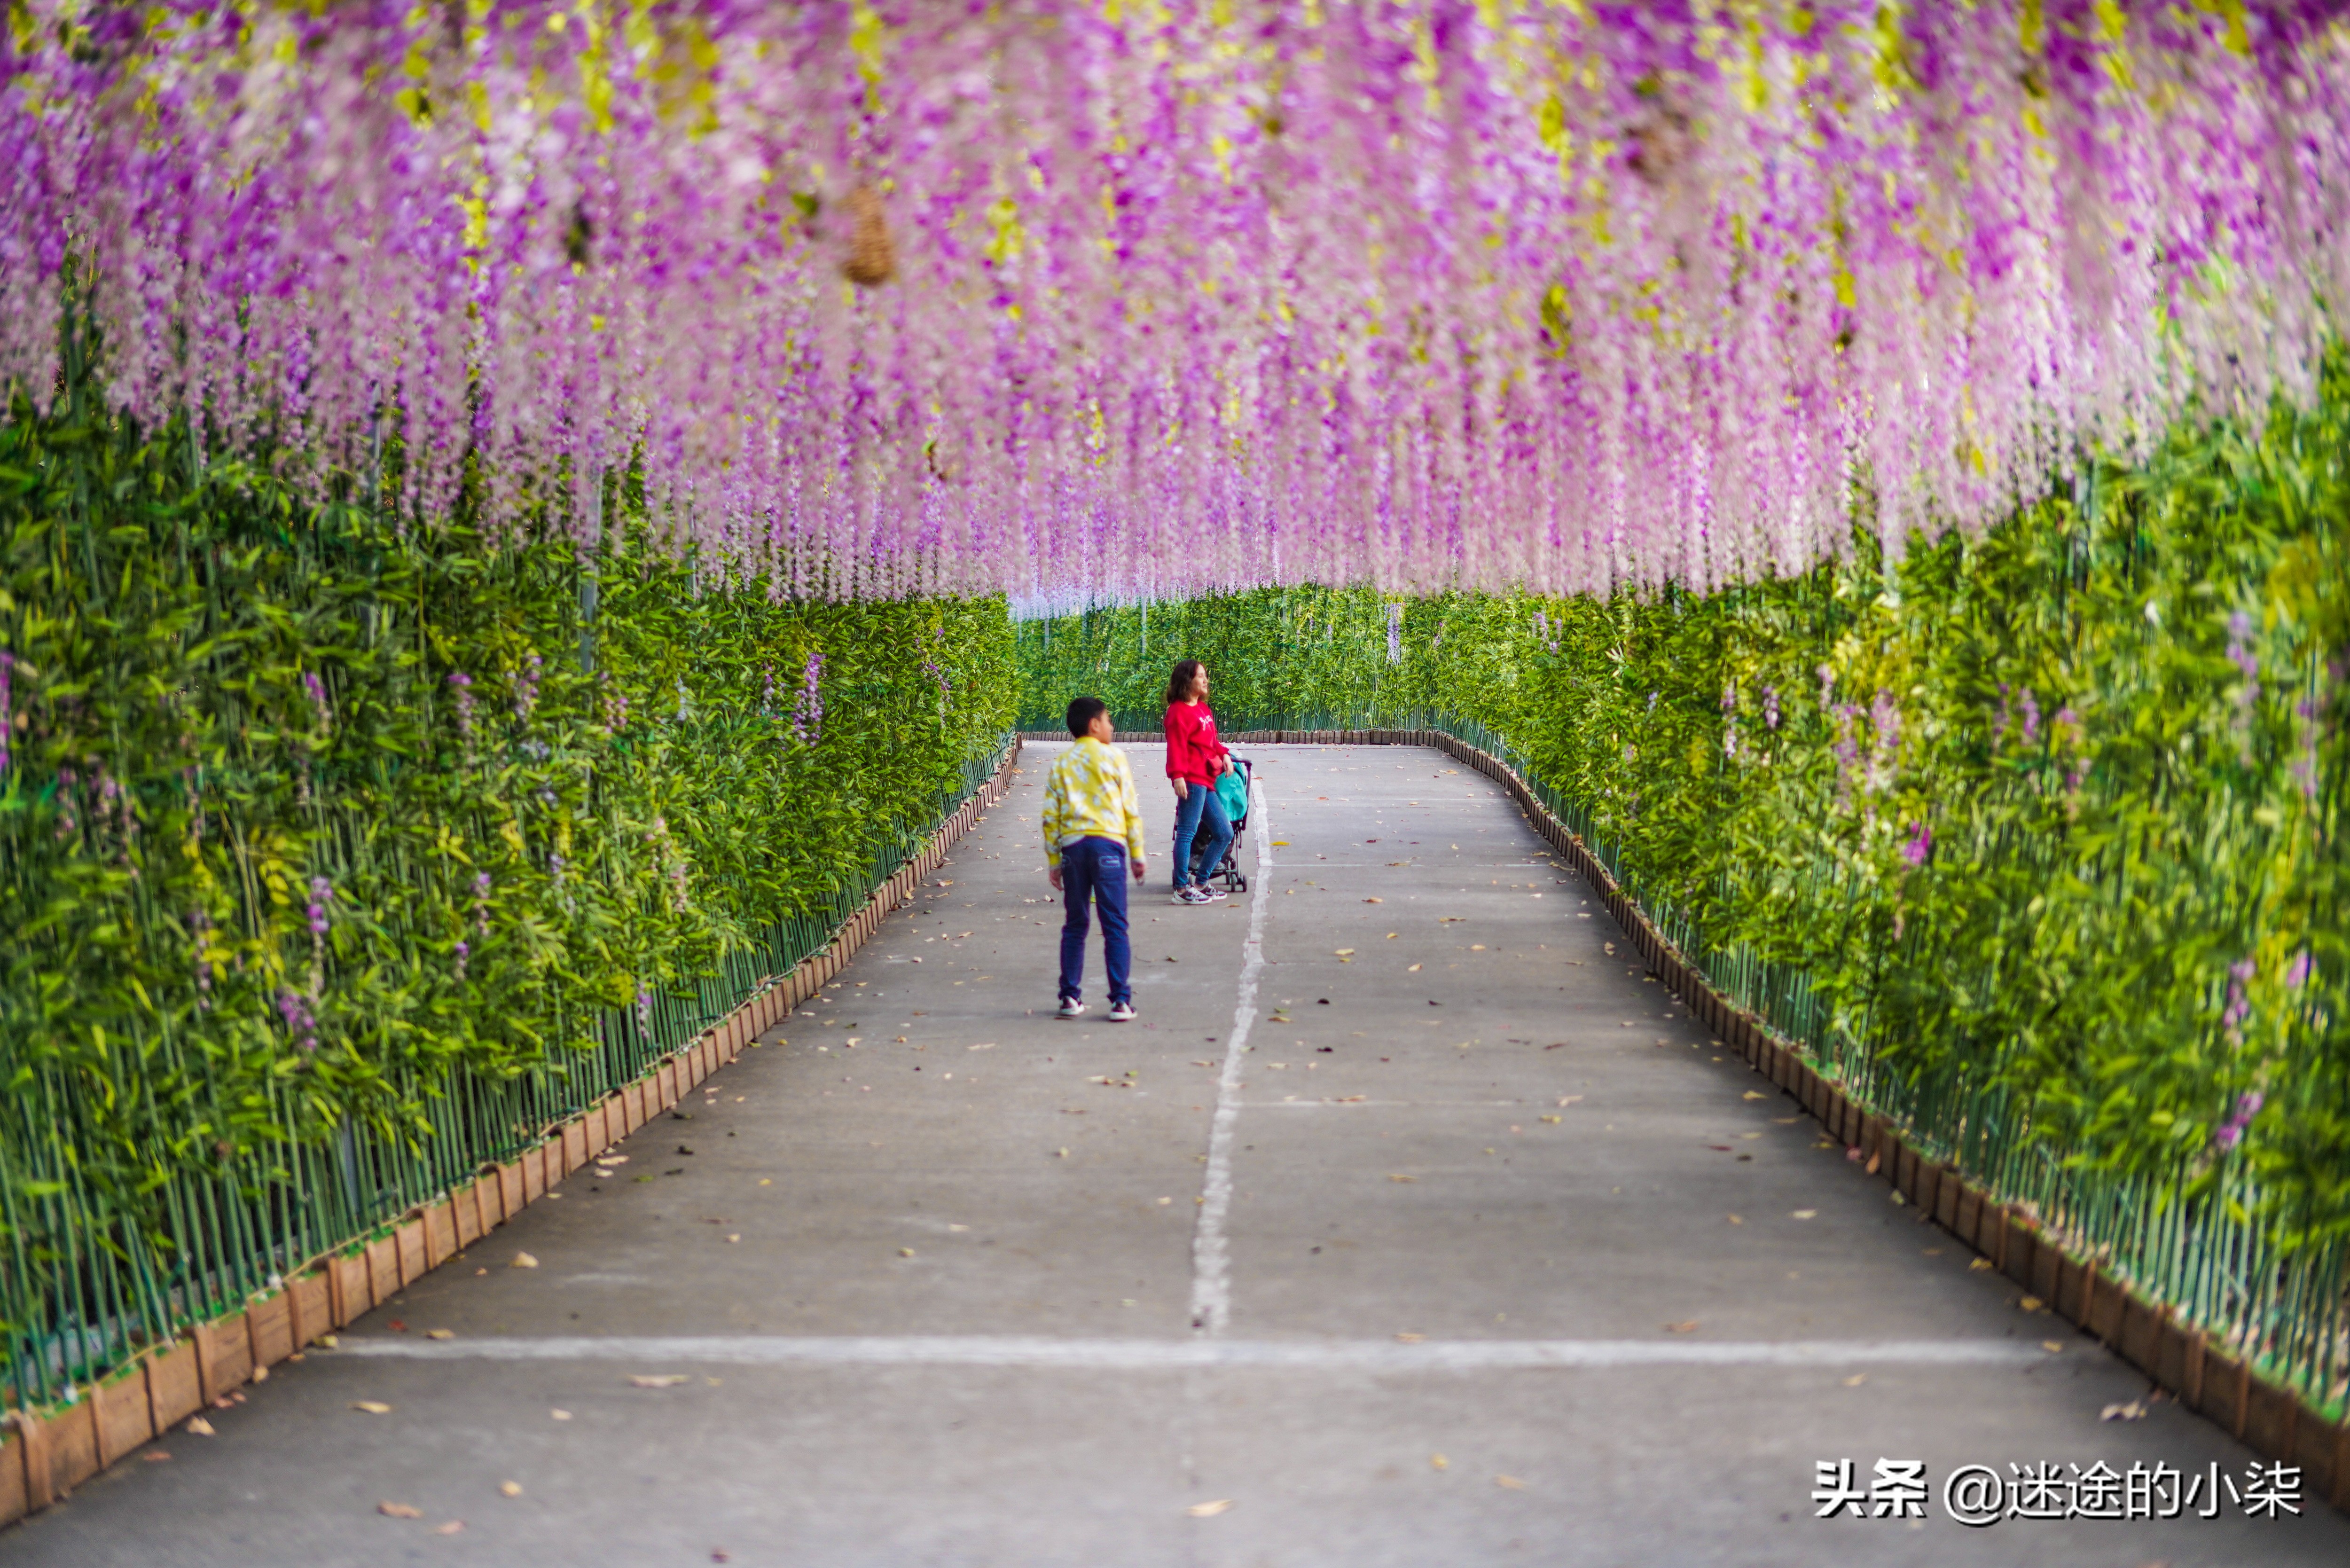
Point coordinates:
pixel 342 852
pixel 2032 840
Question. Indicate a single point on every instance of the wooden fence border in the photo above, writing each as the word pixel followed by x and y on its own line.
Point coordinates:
pixel 45 1453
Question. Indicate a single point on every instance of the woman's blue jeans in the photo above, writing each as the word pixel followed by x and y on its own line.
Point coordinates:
pixel 1200 812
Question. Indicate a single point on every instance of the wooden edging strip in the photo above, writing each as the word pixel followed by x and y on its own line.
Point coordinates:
pixel 46 1453
pixel 2275 1422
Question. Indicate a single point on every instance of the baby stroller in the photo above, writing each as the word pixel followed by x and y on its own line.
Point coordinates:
pixel 1228 870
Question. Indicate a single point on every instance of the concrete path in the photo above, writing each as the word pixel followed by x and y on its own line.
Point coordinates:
pixel 1496 1261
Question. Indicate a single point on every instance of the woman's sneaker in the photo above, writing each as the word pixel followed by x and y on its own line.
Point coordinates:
pixel 1121 1013
pixel 1213 892
pixel 1188 896
pixel 1071 1008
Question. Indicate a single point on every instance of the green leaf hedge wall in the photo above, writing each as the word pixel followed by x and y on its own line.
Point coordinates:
pixel 2035 840
pixel 340 853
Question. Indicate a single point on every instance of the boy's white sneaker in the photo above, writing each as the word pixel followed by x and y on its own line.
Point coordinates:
pixel 1071 1008
pixel 1121 1012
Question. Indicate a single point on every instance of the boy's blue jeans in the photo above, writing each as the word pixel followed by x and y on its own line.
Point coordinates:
pixel 1094 870
pixel 1199 811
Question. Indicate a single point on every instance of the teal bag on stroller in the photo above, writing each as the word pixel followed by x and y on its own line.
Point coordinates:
pixel 1232 789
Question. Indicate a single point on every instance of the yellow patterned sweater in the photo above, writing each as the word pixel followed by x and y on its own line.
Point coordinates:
pixel 1090 795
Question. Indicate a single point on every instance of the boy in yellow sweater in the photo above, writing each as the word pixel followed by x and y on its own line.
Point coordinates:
pixel 1093 834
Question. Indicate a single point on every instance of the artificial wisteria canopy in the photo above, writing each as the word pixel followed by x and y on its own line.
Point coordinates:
pixel 1054 296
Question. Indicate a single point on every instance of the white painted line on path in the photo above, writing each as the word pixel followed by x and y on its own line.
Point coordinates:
pixel 1211 1263
pixel 1378 1355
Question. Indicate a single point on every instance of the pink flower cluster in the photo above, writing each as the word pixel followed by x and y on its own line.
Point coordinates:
pixel 2231 1132
pixel 1058 297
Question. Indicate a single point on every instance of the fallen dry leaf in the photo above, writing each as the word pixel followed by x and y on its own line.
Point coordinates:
pixel 510 1488
pixel 1413 970
pixel 2053 1347
pixel 983 1046
pixel 1209 1510
pixel 560 1415
pixel 439 1334
pixel 1686 1326
pixel 1569 1099
pixel 1856 1380
pixel 1751 1094
pixel 399 1510
pixel 1806 1213
pixel 1978 1265
pixel 1512 1482
pixel 2134 1410
pixel 2032 1303
pixel 905 1252
pixel 1375 900
pixel 656 1380
pixel 372 1407
pixel 1735 1220
pixel 451 1528
pixel 1409 1338
pixel 154 1456
pixel 1554 1119
pixel 1872 1166
pixel 523 1260
pixel 198 1427
pixel 1392 1177
pixel 261 1375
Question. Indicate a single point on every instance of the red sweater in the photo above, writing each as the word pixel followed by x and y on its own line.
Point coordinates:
pixel 1193 748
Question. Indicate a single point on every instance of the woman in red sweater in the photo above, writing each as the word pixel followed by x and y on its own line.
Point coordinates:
pixel 1194 758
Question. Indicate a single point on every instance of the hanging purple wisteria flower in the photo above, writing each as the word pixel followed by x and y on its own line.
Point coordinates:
pixel 294 1008
pixel 2240 1004
pixel 2241 654
pixel 808 708
pixel 461 684
pixel 611 703
pixel 2231 1131
pixel 525 688
pixel 315 688
pixel 198 924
